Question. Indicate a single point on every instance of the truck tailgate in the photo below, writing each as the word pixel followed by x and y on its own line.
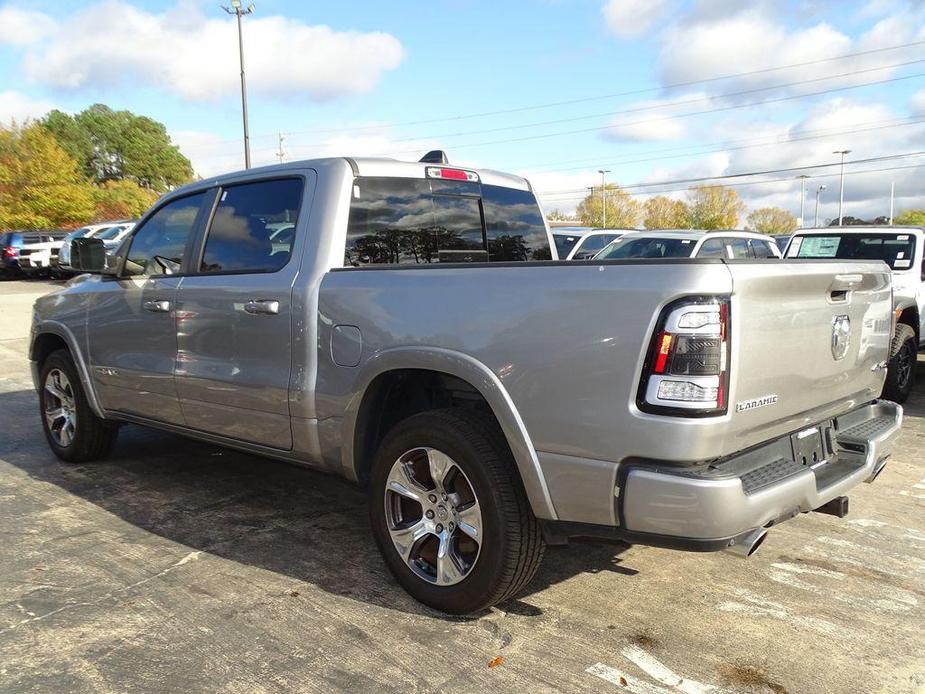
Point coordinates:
pixel 790 322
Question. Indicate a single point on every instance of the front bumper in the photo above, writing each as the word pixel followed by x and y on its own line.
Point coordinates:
pixel 761 487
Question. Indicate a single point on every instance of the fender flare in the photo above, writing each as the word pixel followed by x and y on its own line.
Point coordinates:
pixel 50 327
pixel 480 377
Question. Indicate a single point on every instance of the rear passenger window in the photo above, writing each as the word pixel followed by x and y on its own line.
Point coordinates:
pixel 514 225
pixel 253 228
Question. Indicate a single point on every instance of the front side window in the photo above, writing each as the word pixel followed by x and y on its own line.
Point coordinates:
pixel 253 228
pixel 157 247
pixel 712 248
pixel 761 249
pixel 738 247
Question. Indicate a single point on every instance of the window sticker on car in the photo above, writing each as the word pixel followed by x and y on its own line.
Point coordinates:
pixel 903 263
pixel 820 246
pixel 686 241
pixel 901 254
pixel 902 237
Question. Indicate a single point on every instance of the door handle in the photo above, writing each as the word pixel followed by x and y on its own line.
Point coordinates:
pixel 264 306
pixel 157 306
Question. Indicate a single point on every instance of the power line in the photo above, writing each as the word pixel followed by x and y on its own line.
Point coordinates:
pixel 614 95
pixel 687 114
pixel 635 92
pixel 747 174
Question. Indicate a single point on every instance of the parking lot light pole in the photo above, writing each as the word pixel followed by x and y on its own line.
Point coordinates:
pixel 603 172
pixel 818 193
pixel 803 199
pixel 841 186
pixel 239 12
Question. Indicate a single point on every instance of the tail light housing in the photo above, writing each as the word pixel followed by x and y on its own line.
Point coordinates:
pixel 686 371
pixel 10 252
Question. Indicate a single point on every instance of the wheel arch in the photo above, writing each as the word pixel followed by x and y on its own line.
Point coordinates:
pixel 461 372
pixel 910 316
pixel 50 336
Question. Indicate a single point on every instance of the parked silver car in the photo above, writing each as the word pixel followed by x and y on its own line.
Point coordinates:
pixel 411 335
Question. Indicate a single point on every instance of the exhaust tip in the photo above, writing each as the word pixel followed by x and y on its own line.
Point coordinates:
pixel 746 545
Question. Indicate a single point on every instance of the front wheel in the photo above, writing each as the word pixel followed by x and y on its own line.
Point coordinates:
pixel 900 373
pixel 74 433
pixel 449 512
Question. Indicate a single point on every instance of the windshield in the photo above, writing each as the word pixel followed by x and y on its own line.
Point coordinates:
pixel 648 248
pixel 565 243
pixel 897 250
pixel 108 234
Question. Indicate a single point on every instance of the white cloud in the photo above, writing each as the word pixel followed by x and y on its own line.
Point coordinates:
pixel 631 18
pixel 917 103
pixel 23 27
pixel 19 107
pixel 185 52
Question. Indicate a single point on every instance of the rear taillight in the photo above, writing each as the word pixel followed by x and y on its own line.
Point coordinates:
pixel 10 252
pixel 686 372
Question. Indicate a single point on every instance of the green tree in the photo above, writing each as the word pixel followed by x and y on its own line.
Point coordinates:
pixel 912 218
pixel 121 200
pixel 40 184
pixel 714 207
pixel 623 211
pixel 661 212
pixel 556 216
pixel 771 220
pixel 120 145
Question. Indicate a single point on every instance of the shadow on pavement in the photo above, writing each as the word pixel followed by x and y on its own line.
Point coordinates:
pixel 307 525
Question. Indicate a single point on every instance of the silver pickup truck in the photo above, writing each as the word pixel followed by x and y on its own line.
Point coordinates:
pixel 407 326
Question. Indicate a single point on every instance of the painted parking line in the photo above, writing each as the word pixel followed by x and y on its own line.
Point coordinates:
pixel 669 682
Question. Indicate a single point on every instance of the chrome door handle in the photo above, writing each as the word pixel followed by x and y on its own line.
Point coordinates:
pixel 265 306
pixel 157 306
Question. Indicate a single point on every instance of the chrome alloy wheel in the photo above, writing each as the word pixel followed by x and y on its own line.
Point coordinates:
pixel 433 516
pixel 60 408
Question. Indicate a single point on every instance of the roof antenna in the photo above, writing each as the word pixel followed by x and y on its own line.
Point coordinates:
pixel 434 156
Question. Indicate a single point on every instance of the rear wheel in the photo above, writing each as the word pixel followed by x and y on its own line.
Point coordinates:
pixel 900 374
pixel 74 433
pixel 449 512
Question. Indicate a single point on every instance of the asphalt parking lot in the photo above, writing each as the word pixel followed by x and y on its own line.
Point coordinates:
pixel 180 566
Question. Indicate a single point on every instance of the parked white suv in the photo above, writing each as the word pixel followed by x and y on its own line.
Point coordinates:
pixel 691 243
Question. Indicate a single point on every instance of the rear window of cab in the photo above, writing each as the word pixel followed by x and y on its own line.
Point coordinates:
pixel 896 249
pixel 400 221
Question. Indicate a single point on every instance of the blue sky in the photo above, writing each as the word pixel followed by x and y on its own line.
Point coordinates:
pixel 363 77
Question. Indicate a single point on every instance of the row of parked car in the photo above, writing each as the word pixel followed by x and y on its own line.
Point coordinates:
pixel 899 247
pixel 47 252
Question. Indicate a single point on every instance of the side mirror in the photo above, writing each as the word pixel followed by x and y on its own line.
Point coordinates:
pixel 89 255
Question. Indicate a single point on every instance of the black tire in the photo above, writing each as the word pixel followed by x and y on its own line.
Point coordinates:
pixel 900 373
pixel 93 437
pixel 512 545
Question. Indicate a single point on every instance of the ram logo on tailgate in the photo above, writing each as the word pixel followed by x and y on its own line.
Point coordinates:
pixel 755 403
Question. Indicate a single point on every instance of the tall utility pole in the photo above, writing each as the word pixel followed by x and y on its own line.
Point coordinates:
pixel 818 193
pixel 841 186
pixel 280 153
pixel 603 173
pixel 802 199
pixel 239 12
pixel 892 192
